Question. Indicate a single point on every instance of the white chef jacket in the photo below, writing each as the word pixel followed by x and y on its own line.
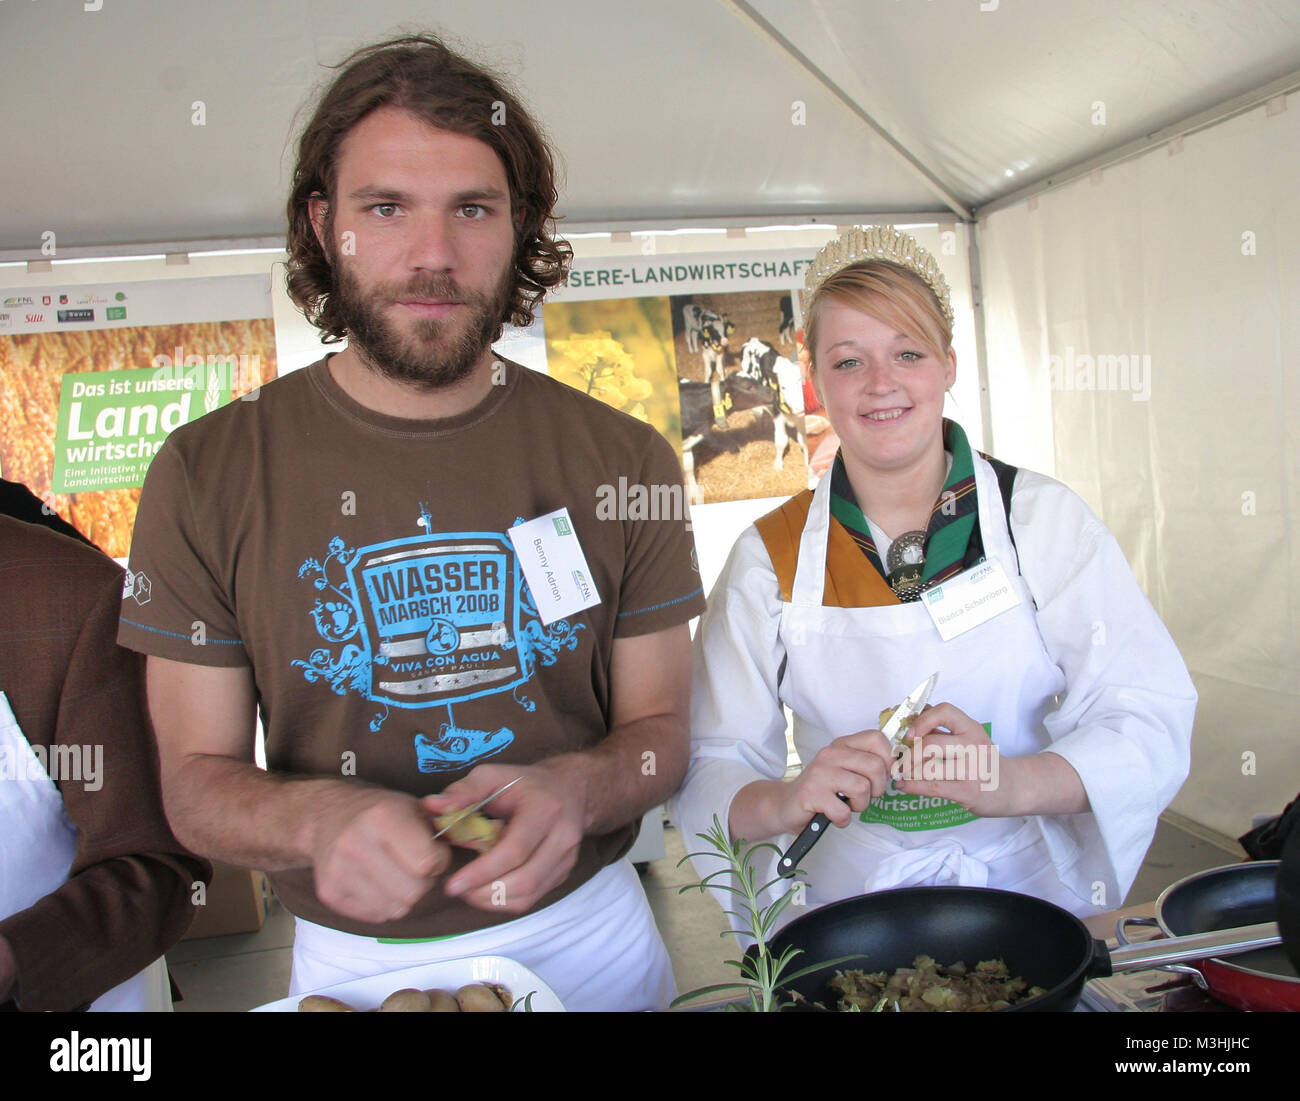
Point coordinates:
pixel 1124 718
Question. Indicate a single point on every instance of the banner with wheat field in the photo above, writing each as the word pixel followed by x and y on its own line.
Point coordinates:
pixel 94 378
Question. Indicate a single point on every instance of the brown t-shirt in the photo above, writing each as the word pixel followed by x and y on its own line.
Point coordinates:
pixel 360 563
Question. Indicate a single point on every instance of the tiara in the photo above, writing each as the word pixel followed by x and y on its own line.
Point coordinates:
pixel 877 243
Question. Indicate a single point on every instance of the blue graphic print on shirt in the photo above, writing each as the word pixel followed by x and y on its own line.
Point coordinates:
pixel 431 621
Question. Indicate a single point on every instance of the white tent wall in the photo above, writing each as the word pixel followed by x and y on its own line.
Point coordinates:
pixel 1142 337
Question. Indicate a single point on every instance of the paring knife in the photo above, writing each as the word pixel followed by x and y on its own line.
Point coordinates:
pixel 893 730
pixel 461 815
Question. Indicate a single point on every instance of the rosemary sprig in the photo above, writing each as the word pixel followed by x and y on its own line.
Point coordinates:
pixel 760 971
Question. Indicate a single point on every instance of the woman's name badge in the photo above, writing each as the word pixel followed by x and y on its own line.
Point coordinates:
pixel 970 598
pixel 554 566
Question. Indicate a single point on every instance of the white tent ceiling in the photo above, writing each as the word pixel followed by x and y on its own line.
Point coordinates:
pixel 678 109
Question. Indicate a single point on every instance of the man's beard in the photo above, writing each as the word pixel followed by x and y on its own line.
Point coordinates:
pixel 435 353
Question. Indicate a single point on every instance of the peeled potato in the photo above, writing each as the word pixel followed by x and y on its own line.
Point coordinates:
pixel 406 1001
pixel 440 1001
pixel 469 831
pixel 479 998
pixel 319 1003
pixel 888 712
pixel 885 716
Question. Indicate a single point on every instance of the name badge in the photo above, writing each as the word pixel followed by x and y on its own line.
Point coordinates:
pixel 554 566
pixel 970 598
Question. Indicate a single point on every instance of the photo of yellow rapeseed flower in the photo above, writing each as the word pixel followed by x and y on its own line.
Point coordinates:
pixel 620 351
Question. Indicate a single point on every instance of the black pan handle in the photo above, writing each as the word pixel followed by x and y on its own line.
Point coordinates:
pixel 1098 965
pixel 812 833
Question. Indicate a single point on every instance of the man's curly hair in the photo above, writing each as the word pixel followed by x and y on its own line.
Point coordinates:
pixel 419 74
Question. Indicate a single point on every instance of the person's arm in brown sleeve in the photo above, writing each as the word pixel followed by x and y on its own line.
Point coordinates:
pixel 128 895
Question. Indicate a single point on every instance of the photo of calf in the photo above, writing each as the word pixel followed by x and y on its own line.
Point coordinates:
pixel 744 428
pixel 694 320
pixel 702 403
pixel 787 319
pixel 783 380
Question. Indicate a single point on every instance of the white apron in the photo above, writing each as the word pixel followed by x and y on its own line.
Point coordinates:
pixel 40 842
pixel 844 665
pixel 598 948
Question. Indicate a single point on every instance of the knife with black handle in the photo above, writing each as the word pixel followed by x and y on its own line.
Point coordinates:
pixel 893 730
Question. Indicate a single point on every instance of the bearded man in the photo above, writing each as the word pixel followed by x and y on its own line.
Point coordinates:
pixel 338 554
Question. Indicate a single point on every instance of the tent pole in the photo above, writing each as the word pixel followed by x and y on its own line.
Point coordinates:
pixel 746 14
pixel 981 350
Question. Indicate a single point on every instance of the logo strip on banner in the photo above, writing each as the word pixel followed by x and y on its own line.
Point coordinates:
pixel 156 302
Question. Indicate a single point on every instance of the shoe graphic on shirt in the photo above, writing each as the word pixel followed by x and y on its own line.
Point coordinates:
pixel 457 747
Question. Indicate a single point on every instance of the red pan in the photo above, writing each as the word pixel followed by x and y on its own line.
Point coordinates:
pixel 1222 898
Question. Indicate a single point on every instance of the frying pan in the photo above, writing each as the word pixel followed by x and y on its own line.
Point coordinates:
pixel 1040 942
pixel 1288 898
pixel 1220 898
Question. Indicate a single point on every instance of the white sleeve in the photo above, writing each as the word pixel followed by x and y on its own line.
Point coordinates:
pixel 1125 717
pixel 737 722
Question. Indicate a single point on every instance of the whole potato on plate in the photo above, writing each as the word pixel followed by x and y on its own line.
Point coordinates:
pixel 319 1003
pixel 480 998
pixel 406 1001
pixel 441 1001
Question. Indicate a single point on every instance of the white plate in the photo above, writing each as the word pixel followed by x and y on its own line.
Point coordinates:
pixel 449 975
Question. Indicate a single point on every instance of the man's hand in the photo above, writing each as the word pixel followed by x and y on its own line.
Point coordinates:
pixel 374 855
pixel 544 829
pixel 560 799
pixel 372 850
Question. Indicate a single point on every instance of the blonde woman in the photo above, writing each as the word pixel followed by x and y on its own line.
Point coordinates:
pixel 1063 711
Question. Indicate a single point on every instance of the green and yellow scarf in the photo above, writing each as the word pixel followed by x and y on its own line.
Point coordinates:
pixel 952 539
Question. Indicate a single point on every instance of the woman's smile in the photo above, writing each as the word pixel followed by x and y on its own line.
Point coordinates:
pixel 884 415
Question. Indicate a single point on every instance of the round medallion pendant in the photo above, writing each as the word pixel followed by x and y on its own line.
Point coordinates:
pixel 905 561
